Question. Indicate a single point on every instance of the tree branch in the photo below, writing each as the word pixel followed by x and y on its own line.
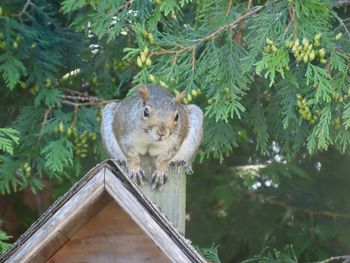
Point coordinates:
pixel 341 3
pixel 213 35
pixel 193 58
pixel 229 7
pixel 345 258
pixel 125 5
pixel 24 9
pixel 46 115
pixel 250 3
pixel 341 22
pixel 79 99
pixel 270 200
pixel 89 103
pixel 292 19
pixel 251 167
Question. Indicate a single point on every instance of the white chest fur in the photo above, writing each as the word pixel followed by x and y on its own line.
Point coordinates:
pixel 144 144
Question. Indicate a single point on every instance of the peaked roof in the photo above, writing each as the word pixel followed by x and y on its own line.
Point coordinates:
pixel 84 200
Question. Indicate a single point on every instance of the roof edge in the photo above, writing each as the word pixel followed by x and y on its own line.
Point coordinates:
pixel 161 219
pixel 165 223
pixel 56 205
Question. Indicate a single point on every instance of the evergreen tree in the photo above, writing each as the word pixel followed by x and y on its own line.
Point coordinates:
pixel 271 76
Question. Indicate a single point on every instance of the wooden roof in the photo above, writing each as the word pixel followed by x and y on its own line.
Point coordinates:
pixel 83 201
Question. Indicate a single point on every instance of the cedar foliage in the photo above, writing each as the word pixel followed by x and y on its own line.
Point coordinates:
pixel 271 76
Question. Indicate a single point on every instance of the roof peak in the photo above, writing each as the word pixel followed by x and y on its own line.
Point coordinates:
pixel 85 197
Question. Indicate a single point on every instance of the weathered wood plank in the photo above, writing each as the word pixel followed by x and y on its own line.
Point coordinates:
pixel 110 237
pixel 85 214
pixel 141 216
pixel 49 237
pixel 171 200
pixel 53 243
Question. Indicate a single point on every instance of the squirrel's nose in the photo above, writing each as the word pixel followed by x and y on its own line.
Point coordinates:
pixel 162 130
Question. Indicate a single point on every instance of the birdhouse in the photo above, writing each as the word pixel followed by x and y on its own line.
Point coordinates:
pixel 104 217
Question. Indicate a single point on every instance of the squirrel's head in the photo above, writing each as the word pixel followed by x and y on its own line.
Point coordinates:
pixel 160 111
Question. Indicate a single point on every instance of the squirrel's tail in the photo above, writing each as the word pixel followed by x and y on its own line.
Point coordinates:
pixel 108 138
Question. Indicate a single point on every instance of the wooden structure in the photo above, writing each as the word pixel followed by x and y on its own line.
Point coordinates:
pixel 172 198
pixel 102 218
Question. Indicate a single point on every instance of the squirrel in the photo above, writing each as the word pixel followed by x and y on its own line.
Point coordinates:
pixel 152 122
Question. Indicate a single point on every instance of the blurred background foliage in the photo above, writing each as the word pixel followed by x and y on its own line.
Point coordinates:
pixel 271 180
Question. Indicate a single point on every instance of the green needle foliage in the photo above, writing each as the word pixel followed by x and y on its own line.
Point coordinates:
pixel 8 138
pixel 241 63
pixel 3 238
pixel 211 254
pixel 269 256
pixel 268 75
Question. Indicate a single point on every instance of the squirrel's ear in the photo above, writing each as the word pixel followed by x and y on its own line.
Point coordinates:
pixel 178 99
pixel 144 92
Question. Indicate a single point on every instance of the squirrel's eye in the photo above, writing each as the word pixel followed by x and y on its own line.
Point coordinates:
pixel 146 113
pixel 176 116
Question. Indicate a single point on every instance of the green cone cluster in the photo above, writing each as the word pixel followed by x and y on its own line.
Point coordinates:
pixel 226 98
pixel 193 94
pixel 26 169
pixel 341 97
pixel 336 123
pixel 306 51
pixel 144 58
pixel 80 141
pixel 305 111
pixel 270 46
pixel 148 36
pixel 14 45
pixel 154 79
pixel 81 145
pixel 116 65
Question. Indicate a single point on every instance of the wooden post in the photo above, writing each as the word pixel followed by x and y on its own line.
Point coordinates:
pixel 171 199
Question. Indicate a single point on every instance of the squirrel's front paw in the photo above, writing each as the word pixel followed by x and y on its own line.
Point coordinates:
pixel 181 164
pixel 159 178
pixel 136 174
pixel 178 163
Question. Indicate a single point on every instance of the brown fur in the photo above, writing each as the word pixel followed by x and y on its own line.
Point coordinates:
pixel 157 134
